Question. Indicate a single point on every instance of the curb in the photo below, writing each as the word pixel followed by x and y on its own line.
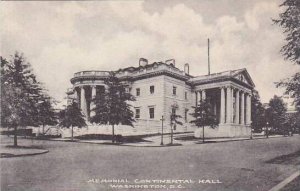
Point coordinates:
pixel 196 143
pixel 126 145
pixel 108 143
pixel 286 181
pixel 8 155
pixel 244 139
pixel 210 142
pixel 175 145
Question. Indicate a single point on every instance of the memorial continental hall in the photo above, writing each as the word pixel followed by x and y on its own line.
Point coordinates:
pixel 159 86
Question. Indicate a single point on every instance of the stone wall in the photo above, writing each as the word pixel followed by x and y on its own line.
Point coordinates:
pixel 224 130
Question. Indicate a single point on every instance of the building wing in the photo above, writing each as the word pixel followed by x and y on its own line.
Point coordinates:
pixel 240 76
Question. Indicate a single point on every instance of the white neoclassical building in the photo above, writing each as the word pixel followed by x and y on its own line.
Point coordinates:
pixel 160 85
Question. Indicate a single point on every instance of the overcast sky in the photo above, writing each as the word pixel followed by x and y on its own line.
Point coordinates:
pixel 61 38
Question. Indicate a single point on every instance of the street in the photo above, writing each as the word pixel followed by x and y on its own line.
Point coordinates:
pixel 237 165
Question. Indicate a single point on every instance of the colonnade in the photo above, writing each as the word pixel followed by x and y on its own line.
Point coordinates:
pixel 84 98
pixel 235 105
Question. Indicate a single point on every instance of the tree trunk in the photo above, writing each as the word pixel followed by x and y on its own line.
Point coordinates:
pixel 43 129
pixel 113 133
pixel 72 132
pixel 15 136
pixel 203 134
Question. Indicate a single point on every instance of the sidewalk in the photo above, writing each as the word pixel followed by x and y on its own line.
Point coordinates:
pixel 7 150
pixel 152 141
pixel 155 141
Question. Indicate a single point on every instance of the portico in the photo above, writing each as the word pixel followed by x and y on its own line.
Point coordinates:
pixel 84 96
pixel 232 105
pixel 231 102
pixel 86 85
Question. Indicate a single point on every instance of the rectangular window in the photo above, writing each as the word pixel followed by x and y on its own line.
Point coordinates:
pixel 186 115
pixel 151 89
pixel 173 111
pixel 185 95
pixel 137 113
pixel 173 115
pixel 174 90
pixel 138 91
pixel 151 112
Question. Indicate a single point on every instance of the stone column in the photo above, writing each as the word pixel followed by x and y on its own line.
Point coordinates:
pixel 222 105
pixel 237 107
pixel 215 108
pixel 196 98
pixel 92 106
pixel 78 96
pixel 229 105
pixel 248 108
pixel 231 100
pixel 83 101
pixel 199 96
pixel 203 95
pixel 242 108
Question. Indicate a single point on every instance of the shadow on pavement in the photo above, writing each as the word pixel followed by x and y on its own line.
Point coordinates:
pixel 291 159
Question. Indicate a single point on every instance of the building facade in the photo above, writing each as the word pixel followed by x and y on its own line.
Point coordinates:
pixel 290 103
pixel 160 86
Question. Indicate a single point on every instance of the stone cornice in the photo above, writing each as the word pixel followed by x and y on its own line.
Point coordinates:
pixel 223 84
pixel 223 79
pixel 87 78
pixel 155 73
pixel 81 77
pixel 133 78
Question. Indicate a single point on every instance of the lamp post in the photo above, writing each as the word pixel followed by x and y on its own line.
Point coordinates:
pixel 267 130
pixel 162 130
pixel 173 127
pixel 43 125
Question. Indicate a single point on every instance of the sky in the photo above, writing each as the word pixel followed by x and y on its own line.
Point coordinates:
pixel 61 38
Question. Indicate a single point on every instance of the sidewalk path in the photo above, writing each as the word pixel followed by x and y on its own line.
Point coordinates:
pixel 18 152
pixel 7 150
pixel 155 141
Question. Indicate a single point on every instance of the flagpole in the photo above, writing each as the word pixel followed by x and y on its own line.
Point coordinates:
pixel 208 56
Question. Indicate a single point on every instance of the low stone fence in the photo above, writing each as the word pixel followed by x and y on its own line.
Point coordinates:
pixel 224 130
pixel 140 128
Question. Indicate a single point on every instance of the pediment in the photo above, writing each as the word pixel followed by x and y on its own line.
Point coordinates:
pixel 244 77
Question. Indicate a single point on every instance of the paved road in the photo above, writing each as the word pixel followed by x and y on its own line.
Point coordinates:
pixel 239 165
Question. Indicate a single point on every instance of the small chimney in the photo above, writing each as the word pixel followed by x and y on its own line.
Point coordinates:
pixel 187 68
pixel 171 62
pixel 143 62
